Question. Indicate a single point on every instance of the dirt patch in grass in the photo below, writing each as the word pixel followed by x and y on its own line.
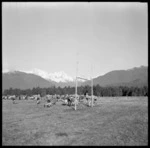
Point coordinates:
pixel 61 134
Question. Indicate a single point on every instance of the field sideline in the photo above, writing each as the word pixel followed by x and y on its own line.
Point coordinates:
pixel 113 121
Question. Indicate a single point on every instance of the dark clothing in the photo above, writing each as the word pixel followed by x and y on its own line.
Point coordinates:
pixel 69 101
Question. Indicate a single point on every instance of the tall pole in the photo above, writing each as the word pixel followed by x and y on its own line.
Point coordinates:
pixel 91 86
pixel 76 91
pixel 76 94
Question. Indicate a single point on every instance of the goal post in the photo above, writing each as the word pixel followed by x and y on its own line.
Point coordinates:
pixel 76 90
pixel 92 91
pixel 92 85
pixel 76 86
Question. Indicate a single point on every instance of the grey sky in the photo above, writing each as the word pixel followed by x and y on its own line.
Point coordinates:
pixel 47 36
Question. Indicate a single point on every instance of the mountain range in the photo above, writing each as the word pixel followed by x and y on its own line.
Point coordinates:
pixel 56 76
pixel 137 76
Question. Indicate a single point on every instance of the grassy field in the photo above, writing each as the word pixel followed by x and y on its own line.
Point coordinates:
pixel 113 121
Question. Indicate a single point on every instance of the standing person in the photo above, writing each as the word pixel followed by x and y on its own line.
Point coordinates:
pixel 69 100
pixel 38 100
pixel 87 98
pixel 86 95
pixel 48 100
pixel 13 99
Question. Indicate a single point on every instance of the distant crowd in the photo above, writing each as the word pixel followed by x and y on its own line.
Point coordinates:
pixel 50 100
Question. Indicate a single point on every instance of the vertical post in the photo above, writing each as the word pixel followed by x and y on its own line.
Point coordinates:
pixel 91 87
pixel 76 94
pixel 76 91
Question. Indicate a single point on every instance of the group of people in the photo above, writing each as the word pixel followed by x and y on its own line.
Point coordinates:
pixel 69 99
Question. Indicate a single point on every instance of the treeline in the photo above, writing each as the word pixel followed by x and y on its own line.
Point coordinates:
pixel 97 91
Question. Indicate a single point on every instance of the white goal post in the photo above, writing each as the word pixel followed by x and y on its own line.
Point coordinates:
pixel 76 90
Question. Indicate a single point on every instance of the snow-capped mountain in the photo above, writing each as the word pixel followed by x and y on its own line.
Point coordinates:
pixel 56 76
pixel 5 70
pixel 60 77
pixel 39 72
pixel 9 71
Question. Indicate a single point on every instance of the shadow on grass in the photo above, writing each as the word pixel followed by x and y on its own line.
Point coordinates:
pixel 64 104
pixel 60 134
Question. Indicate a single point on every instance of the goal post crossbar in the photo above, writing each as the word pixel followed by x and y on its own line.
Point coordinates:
pixel 91 88
pixel 82 78
pixel 76 87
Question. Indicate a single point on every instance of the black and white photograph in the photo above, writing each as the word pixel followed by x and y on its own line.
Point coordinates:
pixel 74 73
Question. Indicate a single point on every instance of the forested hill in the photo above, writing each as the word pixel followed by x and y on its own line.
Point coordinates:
pixel 23 80
pixel 136 77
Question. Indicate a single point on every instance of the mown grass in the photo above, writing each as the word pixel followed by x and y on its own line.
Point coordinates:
pixel 113 121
